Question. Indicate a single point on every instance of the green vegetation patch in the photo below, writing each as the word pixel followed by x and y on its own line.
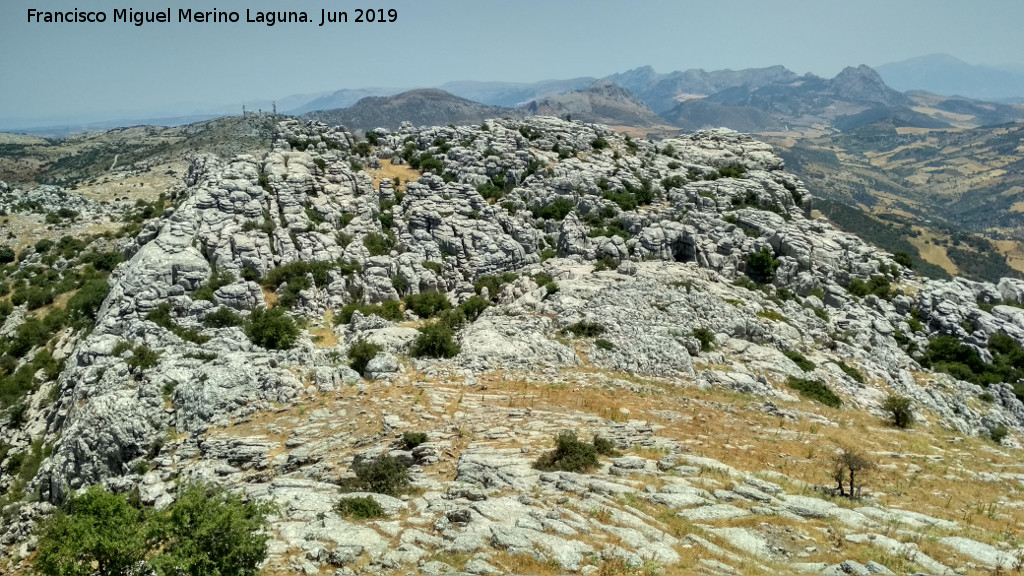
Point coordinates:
pixel 815 390
pixel 570 455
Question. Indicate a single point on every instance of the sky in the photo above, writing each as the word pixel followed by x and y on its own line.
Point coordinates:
pixel 117 70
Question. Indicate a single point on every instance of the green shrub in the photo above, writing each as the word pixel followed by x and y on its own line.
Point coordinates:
pixel 903 259
pixel 473 307
pixel 604 447
pixel 899 409
pixel 428 163
pixel 705 336
pixel 542 278
pixel 360 508
pixel 223 317
pixel 569 455
pixel 761 266
pixel 493 283
pixel 104 260
pixel 604 344
pixel 379 244
pixel 296 275
pixel 360 353
pixel 735 171
pixel 427 304
pixel 400 284
pixel 33 297
pixel 16 414
pixel 143 357
pixel 551 288
pixel 599 143
pixel 384 475
pixel 624 200
pixel 436 340
pixel 7 255
pixel 814 390
pixel 998 433
pixel 850 371
pixel 390 310
pixel 492 190
pixel 218 279
pixel 161 316
pixel 84 305
pixel 878 285
pixel 585 329
pixel 556 210
pixel 453 319
pixel 272 329
pixel 413 439
pixel 799 359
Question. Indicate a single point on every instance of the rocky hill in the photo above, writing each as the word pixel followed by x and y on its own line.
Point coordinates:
pixel 455 299
pixel 424 107
pixel 602 102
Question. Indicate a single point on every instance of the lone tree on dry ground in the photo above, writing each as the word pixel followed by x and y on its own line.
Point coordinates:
pixel 846 464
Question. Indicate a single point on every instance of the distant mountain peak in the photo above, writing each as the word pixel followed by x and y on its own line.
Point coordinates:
pixel 603 102
pixel 864 84
pixel 422 107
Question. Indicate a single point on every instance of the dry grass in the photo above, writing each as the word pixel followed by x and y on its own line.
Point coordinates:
pixel 389 171
pixel 932 253
pixel 1012 249
pixel 269 296
pixel 324 336
pixel 924 469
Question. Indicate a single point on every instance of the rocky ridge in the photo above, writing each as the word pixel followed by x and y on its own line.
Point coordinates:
pixel 651 241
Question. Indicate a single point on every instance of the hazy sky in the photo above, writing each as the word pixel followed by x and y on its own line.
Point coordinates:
pixel 116 69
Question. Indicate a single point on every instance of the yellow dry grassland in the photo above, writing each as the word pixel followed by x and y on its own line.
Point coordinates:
pixel 389 171
pixel 925 469
pixel 932 253
pixel 1013 251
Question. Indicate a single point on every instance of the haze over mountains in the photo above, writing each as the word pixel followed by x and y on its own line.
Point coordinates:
pixel 950 76
pixel 673 95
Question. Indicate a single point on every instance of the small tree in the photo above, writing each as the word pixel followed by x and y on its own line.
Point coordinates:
pixel 384 475
pixel 847 463
pixel 210 532
pixel 272 328
pixel 903 259
pixel 761 266
pixel 899 409
pixel 360 354
pixel 96 533
pixel 436 340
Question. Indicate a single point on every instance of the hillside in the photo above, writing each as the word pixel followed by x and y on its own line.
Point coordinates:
pixel 960 189
pixel 420 107
pixel 602 102
pixel 524 347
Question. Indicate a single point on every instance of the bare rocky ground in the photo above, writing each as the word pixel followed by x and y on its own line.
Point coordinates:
pixel 724 468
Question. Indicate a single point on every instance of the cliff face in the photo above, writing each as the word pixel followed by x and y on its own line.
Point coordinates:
pixel 620 281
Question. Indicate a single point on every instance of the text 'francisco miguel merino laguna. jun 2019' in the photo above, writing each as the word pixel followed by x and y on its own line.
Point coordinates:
pixel 190 16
